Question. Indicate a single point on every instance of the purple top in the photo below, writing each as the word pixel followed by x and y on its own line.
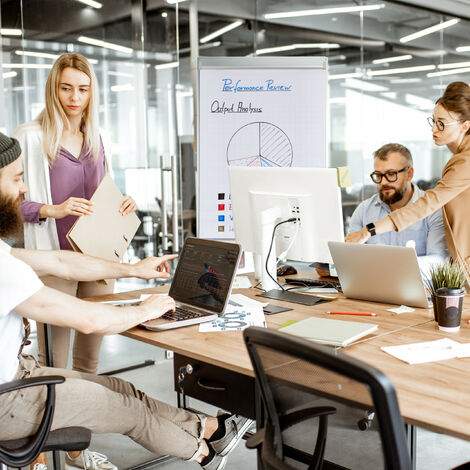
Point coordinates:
pixel 70 177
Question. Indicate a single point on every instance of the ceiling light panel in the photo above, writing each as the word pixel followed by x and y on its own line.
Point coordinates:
pixel 324 11
pixel 430 30
pixel 419 68
pixel 396 58
pixel 342 76
pixel 10 32
pixel 454 65
pixel 91 3
pixel 448 72
pixel 105 44
pixel 169 65
pixel 221 31
pixel 291 47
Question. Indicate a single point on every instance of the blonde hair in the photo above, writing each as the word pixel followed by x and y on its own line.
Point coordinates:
pixel 53 118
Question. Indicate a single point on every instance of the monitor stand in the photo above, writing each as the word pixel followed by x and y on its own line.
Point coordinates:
pixel 294 297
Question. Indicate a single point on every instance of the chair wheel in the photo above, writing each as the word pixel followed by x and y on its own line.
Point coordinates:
pixel 363 424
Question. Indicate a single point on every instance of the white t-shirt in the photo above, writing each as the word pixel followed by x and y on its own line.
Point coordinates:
pixel 18 282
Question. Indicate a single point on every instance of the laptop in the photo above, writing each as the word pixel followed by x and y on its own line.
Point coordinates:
pixel 201 284
pixel 379 273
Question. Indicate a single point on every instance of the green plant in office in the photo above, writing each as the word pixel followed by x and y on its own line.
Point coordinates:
pixel 446 284
pixel 449 274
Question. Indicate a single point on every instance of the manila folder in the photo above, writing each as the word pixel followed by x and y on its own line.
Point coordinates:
pixel 328 331
pixel 105 233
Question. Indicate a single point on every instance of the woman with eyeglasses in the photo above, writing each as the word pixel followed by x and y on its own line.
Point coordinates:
pixel 450 126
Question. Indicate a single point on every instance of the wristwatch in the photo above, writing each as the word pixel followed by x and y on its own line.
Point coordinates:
pixel 371 228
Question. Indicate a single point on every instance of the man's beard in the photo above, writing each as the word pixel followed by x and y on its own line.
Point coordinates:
pixel 394 197
pixel 11 222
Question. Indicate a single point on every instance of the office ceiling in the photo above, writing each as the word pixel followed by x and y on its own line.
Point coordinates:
pixel 362 38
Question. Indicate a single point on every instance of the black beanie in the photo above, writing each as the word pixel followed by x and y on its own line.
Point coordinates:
pixel 10 150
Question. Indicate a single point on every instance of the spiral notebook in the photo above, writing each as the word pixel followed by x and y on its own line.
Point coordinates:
pixel 328 331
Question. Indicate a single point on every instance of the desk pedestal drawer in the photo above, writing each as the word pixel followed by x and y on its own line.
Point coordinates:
pixel 217 386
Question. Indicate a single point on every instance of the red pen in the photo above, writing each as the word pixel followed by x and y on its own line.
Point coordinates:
pixel 363 314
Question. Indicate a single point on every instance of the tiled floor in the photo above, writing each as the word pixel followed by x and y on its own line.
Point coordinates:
pixel 435 452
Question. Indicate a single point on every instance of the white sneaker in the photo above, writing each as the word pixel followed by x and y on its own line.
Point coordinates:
pixel 88 460
pixel 40 466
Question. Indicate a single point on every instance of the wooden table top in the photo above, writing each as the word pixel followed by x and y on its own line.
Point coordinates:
pixel 434 395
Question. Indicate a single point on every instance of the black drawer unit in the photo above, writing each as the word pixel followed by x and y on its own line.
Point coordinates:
pixel 220 387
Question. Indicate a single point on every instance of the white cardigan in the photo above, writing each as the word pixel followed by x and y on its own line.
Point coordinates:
pixel 42 236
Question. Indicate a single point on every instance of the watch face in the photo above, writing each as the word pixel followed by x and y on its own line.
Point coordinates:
pixel 371 228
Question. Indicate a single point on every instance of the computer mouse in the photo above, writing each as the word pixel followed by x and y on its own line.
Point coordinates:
pixel 286 270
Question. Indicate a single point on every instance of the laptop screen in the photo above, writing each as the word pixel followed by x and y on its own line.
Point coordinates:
pixel 205 273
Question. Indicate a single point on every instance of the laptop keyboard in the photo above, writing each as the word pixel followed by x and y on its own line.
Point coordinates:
pixel 182 314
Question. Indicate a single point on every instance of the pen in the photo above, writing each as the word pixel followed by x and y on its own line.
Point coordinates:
pixel 364 314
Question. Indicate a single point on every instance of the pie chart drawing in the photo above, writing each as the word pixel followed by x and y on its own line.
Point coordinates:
pixel 259 144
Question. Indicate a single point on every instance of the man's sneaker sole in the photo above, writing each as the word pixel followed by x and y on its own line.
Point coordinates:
pixel 234 442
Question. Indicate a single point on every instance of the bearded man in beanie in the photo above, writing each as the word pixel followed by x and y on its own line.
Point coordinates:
pixel 99 403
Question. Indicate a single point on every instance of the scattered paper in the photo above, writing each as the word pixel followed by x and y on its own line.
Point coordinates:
pixel 240 300
pixel 123 302
pixel 129 301
pixel 429 351
pixel 235 319
pixel 401 309
pixel 322 290
pixel 463 350
pixel 241 282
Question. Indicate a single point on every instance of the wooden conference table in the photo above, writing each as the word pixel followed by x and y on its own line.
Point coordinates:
pixel 434 396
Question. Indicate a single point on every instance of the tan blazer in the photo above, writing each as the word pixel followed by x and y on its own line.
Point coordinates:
pixel 452 193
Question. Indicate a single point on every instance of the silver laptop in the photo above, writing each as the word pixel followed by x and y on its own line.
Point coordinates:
pixel 202 283
pixel 379 273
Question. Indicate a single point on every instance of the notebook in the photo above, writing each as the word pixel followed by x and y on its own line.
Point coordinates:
pixel 202 283
pixel 328 331
pixel 379 273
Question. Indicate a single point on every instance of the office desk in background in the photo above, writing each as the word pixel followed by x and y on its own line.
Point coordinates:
pixel 434 396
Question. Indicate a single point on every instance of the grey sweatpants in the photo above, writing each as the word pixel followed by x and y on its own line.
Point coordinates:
pixel 103 405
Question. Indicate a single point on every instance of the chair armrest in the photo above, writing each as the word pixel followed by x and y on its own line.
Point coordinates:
pixel 31 382
pixel 28 452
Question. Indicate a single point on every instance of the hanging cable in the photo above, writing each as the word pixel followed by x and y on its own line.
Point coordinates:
pixel 292 219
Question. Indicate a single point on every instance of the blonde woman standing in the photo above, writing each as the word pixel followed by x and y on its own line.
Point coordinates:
pixel 450 125
pixel 64 162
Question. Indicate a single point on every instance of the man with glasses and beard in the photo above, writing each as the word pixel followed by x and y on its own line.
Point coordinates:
pixel 393 172
pixel 100 403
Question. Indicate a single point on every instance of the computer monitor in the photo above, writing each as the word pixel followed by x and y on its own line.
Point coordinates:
pixel 262 197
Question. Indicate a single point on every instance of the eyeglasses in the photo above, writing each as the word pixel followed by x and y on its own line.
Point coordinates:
pixel 390 176
pixel 441 124
pixel 27 332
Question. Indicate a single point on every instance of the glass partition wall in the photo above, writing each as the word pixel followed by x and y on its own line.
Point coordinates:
pixel 134 53
pixel 388 63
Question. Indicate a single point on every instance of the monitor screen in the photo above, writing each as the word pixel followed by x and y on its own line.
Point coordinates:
pixel 204 273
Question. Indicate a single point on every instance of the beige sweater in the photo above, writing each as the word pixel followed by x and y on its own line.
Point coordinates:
pixel 452 193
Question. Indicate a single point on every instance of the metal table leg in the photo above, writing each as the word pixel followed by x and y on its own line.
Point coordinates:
pixel 411 438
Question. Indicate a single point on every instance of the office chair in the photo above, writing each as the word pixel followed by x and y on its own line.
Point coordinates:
pixel 21 452
pixel 282 361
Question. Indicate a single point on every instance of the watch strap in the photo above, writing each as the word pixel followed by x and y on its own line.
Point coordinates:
pixel 371 228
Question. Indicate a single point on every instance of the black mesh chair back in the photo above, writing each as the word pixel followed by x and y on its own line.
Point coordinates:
pixel 293 373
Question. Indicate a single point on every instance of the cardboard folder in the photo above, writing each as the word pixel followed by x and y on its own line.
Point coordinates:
pixel 105 233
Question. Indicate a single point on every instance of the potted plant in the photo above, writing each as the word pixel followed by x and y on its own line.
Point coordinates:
pixel 445 278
